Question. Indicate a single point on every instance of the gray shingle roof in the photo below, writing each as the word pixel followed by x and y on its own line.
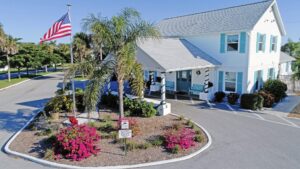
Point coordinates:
pixel 284 57
pixel 173 54
pixel 242 17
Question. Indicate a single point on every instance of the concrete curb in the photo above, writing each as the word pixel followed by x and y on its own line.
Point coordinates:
pixel 25 81
pixel 53 164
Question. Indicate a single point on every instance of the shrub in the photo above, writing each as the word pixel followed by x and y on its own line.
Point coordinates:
pixel 59 104
pixel 252 101
pixel 198 138
pixel 175 150
pixel 131 146
pixel 269 98
pixel 79 91
pixel 219 96
pixel 189 122
pixel 79 97
pixel 232 98
pixel 49 153
pixel 277 88
pixel 76 142
pixel 183 138
pixel 157 141
pixel 110 100
pixel 181 117
pixel 139 108
pixel 177 126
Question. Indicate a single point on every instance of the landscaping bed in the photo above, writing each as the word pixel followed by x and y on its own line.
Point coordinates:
pixel 147 145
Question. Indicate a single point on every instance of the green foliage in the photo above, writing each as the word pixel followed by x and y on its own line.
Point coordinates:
pixel 131 146
pixel 110 100
pixel 139 108
pixel 59 104
pixel 198 138
pixel 157 141
pixel 232 98
pixel 252 101
pixel 189 122
pixel 219 96
pixel 269 98
pixel 49 154
pixel 175 150
pixel 277 88
pixel 181 117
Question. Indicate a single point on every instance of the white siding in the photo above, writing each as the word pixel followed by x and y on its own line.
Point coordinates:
pixel 263 60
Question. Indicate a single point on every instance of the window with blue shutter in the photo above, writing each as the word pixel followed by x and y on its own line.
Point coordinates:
pixel 243 42
pixel 239 83
pixel 221 78
pixel 222 42
pixel 271 73
pixel 260 43
pixel 264 42
pixel 273 44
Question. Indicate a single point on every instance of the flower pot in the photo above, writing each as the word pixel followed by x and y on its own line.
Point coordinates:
pixel 55 116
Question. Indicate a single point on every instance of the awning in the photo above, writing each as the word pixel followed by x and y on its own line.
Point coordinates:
pixel 172 54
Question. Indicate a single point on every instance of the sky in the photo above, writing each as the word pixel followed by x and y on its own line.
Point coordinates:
pixel 30 19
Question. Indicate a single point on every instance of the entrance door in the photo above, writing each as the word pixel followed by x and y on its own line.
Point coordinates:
pixel 184 80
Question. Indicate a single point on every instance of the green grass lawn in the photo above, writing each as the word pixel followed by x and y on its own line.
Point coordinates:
pixel 5 83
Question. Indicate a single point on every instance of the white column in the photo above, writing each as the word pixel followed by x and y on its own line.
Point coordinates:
pixel 163 108
pixel 163 88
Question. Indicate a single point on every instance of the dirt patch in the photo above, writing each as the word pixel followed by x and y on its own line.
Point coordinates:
pixel 111 153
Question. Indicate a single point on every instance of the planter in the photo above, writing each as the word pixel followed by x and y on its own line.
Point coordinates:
pixel 55 116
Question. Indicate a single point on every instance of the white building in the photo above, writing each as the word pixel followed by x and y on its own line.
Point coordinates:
pixel 285 64
pixel 235 48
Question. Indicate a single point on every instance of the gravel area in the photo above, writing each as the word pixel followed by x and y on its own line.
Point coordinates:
pixel 111 153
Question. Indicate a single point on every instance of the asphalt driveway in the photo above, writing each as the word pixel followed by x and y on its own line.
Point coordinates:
pixel 239 141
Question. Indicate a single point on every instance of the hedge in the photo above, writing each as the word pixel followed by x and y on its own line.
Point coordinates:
pixel 252 101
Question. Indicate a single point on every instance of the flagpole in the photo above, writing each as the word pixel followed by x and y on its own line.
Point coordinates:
pixel 72 62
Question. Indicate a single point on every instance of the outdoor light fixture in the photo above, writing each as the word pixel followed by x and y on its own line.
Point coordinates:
pixel 198 72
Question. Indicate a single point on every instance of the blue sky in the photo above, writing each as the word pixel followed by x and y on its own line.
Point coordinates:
pixel 30 19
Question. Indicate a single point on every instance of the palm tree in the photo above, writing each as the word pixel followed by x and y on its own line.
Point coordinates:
pixel 118 36
pixel 81 47
pixel 9 48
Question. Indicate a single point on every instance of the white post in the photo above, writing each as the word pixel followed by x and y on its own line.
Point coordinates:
pixel 163 105
pixel 72 62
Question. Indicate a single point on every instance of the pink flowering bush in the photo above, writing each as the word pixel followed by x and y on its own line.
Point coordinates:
pixel 73 120
pixel 184 138
pixel 76 142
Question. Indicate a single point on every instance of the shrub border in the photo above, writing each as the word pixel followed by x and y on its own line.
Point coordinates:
pixel 54 164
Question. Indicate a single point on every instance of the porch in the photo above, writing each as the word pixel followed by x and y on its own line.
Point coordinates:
pixel 175 66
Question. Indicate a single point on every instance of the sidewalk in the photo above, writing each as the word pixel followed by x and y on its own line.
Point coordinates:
pixel 285 107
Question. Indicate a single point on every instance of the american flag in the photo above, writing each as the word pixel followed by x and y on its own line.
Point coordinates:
pixel 59 29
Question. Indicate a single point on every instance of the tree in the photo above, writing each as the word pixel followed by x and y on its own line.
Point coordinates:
pixel 8 48
pixel 18 61
pixel 81 47
pixel 121 34
pixel 292 48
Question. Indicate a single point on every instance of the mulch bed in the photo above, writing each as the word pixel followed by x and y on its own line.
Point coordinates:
pixel 111 153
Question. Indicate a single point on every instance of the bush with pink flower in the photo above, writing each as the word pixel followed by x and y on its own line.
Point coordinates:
pixel 76 142
pixel 182 138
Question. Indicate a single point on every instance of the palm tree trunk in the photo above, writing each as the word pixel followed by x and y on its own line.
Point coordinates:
pixel 120 93
pixel 8 70
pixel 101 53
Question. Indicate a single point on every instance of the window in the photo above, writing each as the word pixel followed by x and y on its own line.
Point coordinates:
pixel 230 81
pixel 271 73
pixel 232 42
pixel 273 43
pixel 261 40
pixel 287 68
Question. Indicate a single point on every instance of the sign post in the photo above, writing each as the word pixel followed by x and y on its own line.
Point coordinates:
pixel 125 133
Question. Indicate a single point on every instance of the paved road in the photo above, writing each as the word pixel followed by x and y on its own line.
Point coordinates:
pixel 240 140
pixel 16 106
pixel 15 74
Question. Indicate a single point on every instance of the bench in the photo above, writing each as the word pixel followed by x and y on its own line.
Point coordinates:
pixel 196 89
